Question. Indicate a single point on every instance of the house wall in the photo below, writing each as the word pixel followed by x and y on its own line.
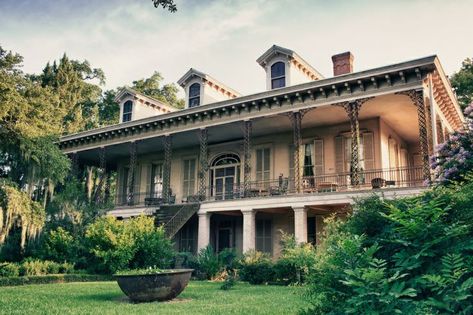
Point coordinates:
pixel 139 110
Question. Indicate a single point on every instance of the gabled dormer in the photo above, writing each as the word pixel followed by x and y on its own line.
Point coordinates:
pixel 285 68
pixel 201 89
pixel 134 105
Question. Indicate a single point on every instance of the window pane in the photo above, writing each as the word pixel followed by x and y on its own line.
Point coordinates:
pixel 278 70
pixel 126 117
pixel 266 159
pixel 194 90
pixel 278 83
pixel 127 107
pixel 195 101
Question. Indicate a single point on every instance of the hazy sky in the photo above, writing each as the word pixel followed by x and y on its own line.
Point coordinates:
pixel 129 39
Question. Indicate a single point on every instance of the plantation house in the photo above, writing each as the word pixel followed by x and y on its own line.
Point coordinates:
pixel 233 171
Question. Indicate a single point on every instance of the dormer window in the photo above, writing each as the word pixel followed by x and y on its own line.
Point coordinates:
pixel 194 95
pixel 278 75
pixel 127 110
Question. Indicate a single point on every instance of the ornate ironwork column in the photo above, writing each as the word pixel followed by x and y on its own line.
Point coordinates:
pixel 247 157
pixel 75 165
pixel 296 119
pixel 417 97
pixel 99 194
pixel 204 163
pixel 167 143
pixel 131 173
pixel 353 110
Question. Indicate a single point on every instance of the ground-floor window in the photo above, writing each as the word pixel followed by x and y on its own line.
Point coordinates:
pixel 311 230
pixel 187 238
pixel 264 239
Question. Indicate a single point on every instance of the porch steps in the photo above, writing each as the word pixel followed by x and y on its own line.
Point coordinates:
pixel 173 217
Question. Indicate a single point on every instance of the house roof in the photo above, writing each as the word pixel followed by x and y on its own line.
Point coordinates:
pixel 192 73
pixel 147 100
pixel 299 61
pixel 388 79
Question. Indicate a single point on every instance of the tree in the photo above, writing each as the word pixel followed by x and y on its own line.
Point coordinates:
pixel 462 82
pixel 169 4
pixel 152 87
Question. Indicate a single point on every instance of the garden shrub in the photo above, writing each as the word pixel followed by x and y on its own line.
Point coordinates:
pixel 295 261
pixel 36 267
pixel 60 245
pixel 454 157
pixel 208 262
pixel 419 260
pixel 23 280
pixel 136 243
pixel 256 268
pixel 9 270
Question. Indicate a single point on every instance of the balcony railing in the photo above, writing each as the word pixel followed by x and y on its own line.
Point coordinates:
pixel 372 179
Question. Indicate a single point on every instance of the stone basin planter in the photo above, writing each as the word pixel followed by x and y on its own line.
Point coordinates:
pixel 160 286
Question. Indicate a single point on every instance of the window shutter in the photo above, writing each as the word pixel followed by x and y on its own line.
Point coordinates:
pixel 137 183
pixel 149 175
pixel 368 149
pixel 319 157
pixel 339 154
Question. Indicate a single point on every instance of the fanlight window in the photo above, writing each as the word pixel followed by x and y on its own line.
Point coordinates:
pixel 194 95
pixel 226 159
pixel 127 110
pixel 278 75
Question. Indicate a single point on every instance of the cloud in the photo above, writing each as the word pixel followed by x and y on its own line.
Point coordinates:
pixel 130 39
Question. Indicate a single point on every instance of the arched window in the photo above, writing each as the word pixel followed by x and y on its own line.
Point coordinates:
pixel 127 110
pixel 225 176
pixel 278 75
pixel 226 159
pixel 194 95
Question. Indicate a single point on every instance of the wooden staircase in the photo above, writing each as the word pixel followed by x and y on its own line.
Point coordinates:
pixel 173 217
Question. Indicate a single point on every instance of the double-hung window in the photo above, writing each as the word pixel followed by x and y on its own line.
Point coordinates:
pixel 194 95
pixel 189 178
pixel 127 111
pixel 278 75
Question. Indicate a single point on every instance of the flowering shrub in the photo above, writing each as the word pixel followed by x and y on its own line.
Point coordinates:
pixel 454 157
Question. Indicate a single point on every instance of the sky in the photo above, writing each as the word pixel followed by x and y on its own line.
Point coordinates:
pixel 130 39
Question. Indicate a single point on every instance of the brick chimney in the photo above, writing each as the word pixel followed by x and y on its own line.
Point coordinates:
pixel 342 63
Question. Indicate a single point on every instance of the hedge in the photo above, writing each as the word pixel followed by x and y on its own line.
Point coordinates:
pixel 58 278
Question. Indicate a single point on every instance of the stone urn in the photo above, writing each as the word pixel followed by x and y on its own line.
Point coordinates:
pixel 160 286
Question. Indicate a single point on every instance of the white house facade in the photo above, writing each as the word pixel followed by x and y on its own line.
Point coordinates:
pixel 234 171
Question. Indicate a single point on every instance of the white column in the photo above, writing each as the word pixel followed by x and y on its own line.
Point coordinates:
pixel 249 232
pixel 300 224
pixel 433 114
pixel 203 235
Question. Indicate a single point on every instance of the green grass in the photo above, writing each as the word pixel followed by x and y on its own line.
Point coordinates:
pixel 106 298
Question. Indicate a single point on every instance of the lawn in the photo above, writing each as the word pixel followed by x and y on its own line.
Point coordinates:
pixel 106 298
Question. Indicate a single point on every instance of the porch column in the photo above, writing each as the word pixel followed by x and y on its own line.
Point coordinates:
pixel 100 190
pixel 296 119
pixel 353 110
pixel 75 165
pixel 204 163
pixel 249 230
pixel 203 235
pixel 167 143
pixel 300 224
pixel 247 158
pixel 417 97
pixel 131 173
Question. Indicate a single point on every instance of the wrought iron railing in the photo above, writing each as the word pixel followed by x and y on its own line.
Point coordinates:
pixel 340 182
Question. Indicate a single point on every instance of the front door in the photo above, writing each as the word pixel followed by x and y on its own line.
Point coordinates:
pixel 224 238
pixel 224 182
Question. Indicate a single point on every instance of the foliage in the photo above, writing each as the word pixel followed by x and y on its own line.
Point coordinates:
pixel 452 287
pixel 151 87
pixel 60 245
pixel 208 262
pixel 229 281
pixel 17 208
pixel 46 279
pixel 117 245
pixel 462 82
pixel 169 4
pixel 256 268
pixel 295 261
pixel 454 157
pixel 36 267
pixel 416 259
pixel 9 270
pixel 142 271
pixel 111 244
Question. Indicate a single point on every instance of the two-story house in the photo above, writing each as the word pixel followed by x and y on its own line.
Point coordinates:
pixel 233 171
